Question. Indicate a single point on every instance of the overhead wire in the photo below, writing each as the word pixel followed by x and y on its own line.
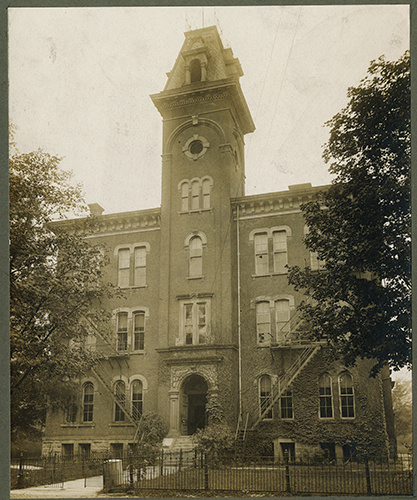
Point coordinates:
pixel 279 93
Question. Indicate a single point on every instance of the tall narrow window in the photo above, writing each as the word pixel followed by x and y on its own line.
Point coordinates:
pixel 121 341
pixel 206 194
pixel 286 404
pixel 124 268
pixel 196 256
pixel 265 397
pixel 137 399
pixel 263 322
pixel 201 323
pixel 88 402
pixel 280 251
pixel 120 394
pixel 195 195
pixel 346 396
pixel 139 331
pixel 282 317
pixel 195 70
pixel 188 322
pixel 325 397
pixel 184 196
pixel 140 266
pixel 261 254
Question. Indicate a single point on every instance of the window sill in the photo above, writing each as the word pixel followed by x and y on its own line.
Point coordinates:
pixel 198 211
pixel 131 287
pixel 195 278
pixel 347 418
pixel 120 424
pixel 327 419
pixel 78 425
pixel 269 275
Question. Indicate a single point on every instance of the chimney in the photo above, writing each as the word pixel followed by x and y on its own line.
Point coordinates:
pixel 95 209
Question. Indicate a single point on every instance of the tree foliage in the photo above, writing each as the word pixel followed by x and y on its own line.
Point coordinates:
pixel 360 227
pixel 55 287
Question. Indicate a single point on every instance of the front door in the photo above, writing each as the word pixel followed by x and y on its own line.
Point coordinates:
pixel 194 400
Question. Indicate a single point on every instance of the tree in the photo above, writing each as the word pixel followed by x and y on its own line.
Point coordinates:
pixel 55 288
pixel 360 228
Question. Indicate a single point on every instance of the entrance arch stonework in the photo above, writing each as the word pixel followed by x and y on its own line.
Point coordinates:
pixel 179 375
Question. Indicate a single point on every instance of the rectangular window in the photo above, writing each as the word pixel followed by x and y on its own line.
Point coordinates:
pixel 124 268
pixel 140 266
pixel 325 396
pixel 121 344
pixel 116 450
pixel 194 322
pixel 282 317
pixel 280 251
pixel 286 404
pixel 265 397
pixel 68 450
pixel 261 254
pixel 139 332
pixel 84 449
pixel 263 322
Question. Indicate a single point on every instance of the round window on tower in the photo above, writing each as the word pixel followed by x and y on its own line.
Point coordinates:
pixel 195 147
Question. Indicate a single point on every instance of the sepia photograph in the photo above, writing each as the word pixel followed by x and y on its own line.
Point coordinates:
pixel 210 251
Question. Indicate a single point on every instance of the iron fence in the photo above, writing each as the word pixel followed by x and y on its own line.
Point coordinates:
pixel 194 471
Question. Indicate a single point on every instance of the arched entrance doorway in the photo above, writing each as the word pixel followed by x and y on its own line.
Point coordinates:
pixel 194 399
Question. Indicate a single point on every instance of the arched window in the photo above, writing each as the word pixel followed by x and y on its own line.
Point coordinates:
pixel 325 396
pixel 120 394
pixel 196 256
pixel 184 196
pixel 195 195
pixel 88 402
pixel 347 404
pixel 206 194
pixel 261 253
pixel 263 322
pixel 137 399
pixel 121 340
pixel 124 267
pixel 195 70
pixel 265 396
pixel 139 331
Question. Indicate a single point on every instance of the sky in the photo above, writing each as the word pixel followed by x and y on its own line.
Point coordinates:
pixel 80 80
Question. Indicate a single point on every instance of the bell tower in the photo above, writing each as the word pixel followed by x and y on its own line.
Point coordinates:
pixel 205 119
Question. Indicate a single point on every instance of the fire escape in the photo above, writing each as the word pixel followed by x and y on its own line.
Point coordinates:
pixel 293 335
pixel 112 356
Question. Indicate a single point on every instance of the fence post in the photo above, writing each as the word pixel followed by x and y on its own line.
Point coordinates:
pixel 368 476
pixel 206 477
pixel 162 463
pixel 20 475
pixel 287 472
pixel 180 461
pixel 131 466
